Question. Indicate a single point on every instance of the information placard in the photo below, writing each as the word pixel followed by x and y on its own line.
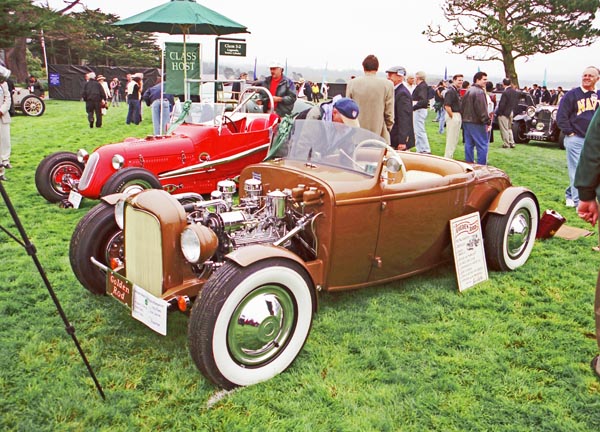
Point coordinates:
pixel 150 310
pixel 469 254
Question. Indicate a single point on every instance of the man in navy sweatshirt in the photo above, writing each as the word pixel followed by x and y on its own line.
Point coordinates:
pixel 575 112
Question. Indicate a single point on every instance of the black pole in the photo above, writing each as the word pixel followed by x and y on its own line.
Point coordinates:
pixel 30 248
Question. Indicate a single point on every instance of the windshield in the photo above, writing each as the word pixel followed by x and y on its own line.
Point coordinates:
pixel 199 112
pixel 329 143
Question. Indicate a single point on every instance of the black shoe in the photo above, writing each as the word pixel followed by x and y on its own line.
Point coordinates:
pixel 6 164
pixel 3 177
pixel 91 124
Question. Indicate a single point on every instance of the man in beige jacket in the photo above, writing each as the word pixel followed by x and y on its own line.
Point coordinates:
pixel 375 99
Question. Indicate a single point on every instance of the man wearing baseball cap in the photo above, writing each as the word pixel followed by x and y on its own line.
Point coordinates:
pixel 339 110
pixel 402 135
pixel 281 87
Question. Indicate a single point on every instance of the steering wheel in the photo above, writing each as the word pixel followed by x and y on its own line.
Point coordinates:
pixel 391 151
pixel 225 119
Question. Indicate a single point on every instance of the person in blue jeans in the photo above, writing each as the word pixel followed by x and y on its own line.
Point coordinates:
pixel 574 115
pixel 161 105
pixel 475 120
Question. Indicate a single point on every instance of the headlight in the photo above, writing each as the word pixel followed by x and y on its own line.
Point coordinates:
pixel 198 243
pixel 531 111
pixel 539 126
pixel 553 115
pixel 120 213
pixel 82 156
pixel 118 161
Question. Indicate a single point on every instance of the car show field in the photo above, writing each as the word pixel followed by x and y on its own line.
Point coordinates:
pixel 511 353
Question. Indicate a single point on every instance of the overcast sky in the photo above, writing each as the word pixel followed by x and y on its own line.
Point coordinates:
pixel 338 35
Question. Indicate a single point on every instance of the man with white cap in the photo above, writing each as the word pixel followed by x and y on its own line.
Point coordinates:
pixel 5 99
pixel 402 135
pixel 281 87
pixel 339 110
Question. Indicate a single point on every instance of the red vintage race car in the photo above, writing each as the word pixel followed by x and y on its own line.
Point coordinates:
pixel 209 145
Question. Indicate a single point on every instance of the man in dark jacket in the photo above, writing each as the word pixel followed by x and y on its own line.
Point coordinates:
pixel 476 120
pixel 281 87
pixel 587 182
pixel 402 135
pixel 420 97
pixel 506 108
pixel 93 95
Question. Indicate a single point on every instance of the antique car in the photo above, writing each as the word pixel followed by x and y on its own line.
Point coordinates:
pixel 28 103
pixel 209 145
pixel 332 208
pixel 538 123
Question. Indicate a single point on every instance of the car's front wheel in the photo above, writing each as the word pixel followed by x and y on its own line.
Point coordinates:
pixel 250 323
pixel 519 130
pixel 33 106
pixel 57 174
pixel 96 235
pixel 509 238
pixel 130 180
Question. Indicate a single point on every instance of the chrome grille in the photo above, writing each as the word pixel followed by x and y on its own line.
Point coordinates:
pixel 88 171
pixel 143 250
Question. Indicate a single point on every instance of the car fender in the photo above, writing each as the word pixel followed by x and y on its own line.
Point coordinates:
pixel 251 254
pixel 113 198
pixel 504 200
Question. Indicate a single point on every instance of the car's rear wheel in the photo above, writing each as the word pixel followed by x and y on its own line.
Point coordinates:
pixel 96 235
pixel 519 130
pixel 250 323
pixel 130 180
pixel 56 174
pixel 33 106
pixel 509 238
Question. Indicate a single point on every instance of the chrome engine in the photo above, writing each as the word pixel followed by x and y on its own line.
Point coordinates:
pixel 274 218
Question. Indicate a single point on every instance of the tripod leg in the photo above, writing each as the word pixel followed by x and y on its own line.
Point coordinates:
pixel 30 248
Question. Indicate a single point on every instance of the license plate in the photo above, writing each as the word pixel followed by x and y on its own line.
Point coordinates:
pixel 75 198
pixel 146 308
pixel 119 287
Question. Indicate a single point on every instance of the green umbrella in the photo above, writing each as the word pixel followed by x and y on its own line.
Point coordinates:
pixel 182 17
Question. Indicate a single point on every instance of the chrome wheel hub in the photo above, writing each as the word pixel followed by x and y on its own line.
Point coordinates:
pixel 261 325
pixel 518 233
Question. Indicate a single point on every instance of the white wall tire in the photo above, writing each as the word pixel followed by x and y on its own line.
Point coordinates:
pixel 509 238
pixel 233 349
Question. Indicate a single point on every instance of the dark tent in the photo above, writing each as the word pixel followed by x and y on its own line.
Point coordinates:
pixel 66 81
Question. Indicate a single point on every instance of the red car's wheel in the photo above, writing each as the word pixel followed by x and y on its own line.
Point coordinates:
pixel 130 180
pixel 56 174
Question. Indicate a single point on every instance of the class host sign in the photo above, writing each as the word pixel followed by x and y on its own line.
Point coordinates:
pixel 178 60
pixel 236 49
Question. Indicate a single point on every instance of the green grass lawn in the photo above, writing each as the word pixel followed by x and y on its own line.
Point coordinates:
pixel 510 354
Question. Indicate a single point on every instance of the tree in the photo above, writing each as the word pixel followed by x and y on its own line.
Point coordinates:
pixel 504 30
